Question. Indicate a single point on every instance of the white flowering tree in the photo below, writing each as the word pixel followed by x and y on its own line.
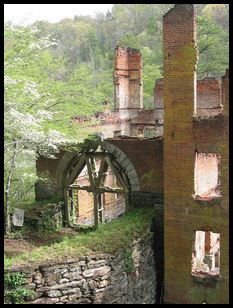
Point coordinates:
pixel 29 95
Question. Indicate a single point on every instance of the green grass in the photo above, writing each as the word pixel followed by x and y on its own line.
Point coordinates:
pixel 111 237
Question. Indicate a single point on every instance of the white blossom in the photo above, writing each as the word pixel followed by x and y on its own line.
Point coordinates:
pixel 31 88
pixel 9 81
pixel 45 114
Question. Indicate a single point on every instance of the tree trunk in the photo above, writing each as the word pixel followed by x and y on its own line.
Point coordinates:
pixel 8 187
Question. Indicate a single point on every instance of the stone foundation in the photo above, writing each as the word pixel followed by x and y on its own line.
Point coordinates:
pixel 144 199
pixel 124 278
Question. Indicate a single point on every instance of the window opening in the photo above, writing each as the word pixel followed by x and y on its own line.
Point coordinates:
pixel 206 254
pixel 206 176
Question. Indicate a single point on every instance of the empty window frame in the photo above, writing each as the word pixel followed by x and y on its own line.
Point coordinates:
pixel 206 254
pixel 206 176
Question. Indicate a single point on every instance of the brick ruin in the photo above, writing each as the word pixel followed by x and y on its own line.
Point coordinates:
pixel 195 156
pixel 208 100
pixel 128 79
pixel 176 153
pixel 129 117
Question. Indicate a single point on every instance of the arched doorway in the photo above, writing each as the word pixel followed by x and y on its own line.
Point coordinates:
pixel 95 189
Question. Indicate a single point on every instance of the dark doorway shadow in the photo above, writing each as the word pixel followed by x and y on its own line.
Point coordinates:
pixel 157 227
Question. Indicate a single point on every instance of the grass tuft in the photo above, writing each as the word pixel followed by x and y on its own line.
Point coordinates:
pixel 111 237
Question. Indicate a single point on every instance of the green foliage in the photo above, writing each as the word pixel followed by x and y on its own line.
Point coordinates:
pixel 111 237
pixel 17 296
pixel 7 262
pixel 91 143
pixel 43 218
pixel 219 13
pixel 46 227
pixel 88 45
pixel 14 293
pixel 16 234
pixel 151 73
pixel 213 45
pixel 129 40
pixel 128 260
pixel 29 92
pixel 14 280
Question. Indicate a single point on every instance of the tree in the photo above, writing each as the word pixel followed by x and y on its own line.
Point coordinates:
pixel 218 13
pixel 25 101
pixel 213 48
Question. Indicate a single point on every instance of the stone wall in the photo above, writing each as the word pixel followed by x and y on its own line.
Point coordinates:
pixel 145 199
pixel 100 279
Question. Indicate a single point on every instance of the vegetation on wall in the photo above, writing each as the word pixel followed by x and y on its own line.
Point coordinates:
pixel 14 292
pixel 129 262
pixel 111 237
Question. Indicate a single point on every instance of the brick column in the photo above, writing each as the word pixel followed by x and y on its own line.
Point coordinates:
pixel 225 93
pixel 159 108
pixel 180 58
pixel 224 182
pixel 128 91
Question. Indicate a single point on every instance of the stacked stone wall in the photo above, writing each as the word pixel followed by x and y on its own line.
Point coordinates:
pixel 98 279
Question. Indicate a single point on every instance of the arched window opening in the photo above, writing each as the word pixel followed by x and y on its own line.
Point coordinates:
pixel 96 189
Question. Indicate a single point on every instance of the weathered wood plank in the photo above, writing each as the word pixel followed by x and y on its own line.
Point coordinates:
pixel 91 178
pixel 77 169
pixel 117 174
pixel 101 171
pixel 96 216
pixel 97 189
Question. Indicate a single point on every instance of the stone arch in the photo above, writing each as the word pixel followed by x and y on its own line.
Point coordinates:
pixel 64 163
pixel 125 163
pixel 70 161
pixel 69 158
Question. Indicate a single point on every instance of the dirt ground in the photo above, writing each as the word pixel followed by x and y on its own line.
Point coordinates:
pixel 16 246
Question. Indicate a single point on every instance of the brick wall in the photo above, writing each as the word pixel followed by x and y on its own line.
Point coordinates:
pixel 127 78
pixel 147 159
pixel 208 95
pixel 183 136
pixel 208 100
